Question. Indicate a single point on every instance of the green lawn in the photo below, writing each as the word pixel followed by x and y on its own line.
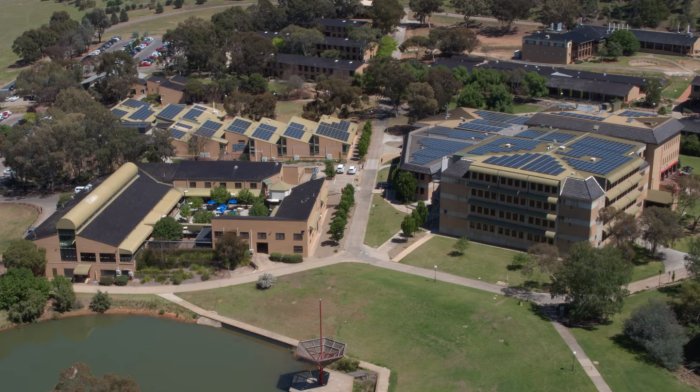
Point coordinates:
pixel 675 88
pixel 526 108
pixel 622 369
pixel 649 269
pixel 433 336
pixel 384 222
pixel 138 301
pixel 16 219
pixel 286 109
pixel 683 244
pixel 383 174
pixel 694 162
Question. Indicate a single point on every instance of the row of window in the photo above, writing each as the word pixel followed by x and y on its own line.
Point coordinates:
pixel 515 200
pixel 621 179
pixel 244 235
pixel 314 146
pixel 621 195
pixel 90 257
pixel 544 43
pixel 512 216
pixel 532 186
pixel 509 232
pixel 236 185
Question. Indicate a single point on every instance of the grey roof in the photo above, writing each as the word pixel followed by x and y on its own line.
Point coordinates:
pixel 114 223
pixel 577 35
pixel 341 22
pixel 577 188
pixel 320 62
pixel 659 37
pixel 696 81
pixel 457 169
pixel 343 42
pixel 690 124
pixel 212 170
pixel 591 86
pixel 300 202
pixel 656 135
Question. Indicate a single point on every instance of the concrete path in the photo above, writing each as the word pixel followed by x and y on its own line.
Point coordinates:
pixel 383 374
pixel 582 358
pixel 657 281
pixel 412 247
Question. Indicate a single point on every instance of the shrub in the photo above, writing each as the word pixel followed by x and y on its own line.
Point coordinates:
pixel 62 294
pixel 106 280
pixel 265 281
pixel 101 302
pixel 121 280
pixel 178 276
pixel 204 275
pixel 286 258
pixel 347 365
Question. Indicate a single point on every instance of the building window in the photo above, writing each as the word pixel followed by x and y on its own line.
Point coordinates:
pixel 253 185
pixel 222 184
pixel 298 237
pixel 262 236
pixel 282 147
pixel 91 257
pixel 108 258
pixel 193 184
pixel 207 184
pixel 298 249
pixel 244 235
pixel 279 236
pixel 313 145
pixel 251 147
pixel 346 148
pixel 125 258
pixel 69 255
pixel 238 185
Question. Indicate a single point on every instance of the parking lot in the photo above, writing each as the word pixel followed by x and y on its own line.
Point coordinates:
pixel 139 56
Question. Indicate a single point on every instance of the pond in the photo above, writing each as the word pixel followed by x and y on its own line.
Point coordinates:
pixel 160 354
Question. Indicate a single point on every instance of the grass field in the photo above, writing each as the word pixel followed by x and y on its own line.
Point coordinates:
pixel 138 301
pixel 624 370
pixel 286 109
pixel 694 162
pixel 644 271
pixel 675 88
pixel 383 174
pixel 384 221
pixel 526 108
pixel 433 336
pixel 16 219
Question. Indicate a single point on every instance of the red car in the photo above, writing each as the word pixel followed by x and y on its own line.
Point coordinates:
pixel 145 64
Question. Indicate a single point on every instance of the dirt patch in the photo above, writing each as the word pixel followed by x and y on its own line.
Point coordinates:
pixel 643 63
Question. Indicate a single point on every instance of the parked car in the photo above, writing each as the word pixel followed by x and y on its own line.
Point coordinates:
pixel 340 169
pixel 145 64
pixel 13 98
pixel 5 114
pixel 86 188
pixel 352 170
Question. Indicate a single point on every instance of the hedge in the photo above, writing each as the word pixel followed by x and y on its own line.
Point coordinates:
pixel 174 258
pixel 285 258
pixel 106 280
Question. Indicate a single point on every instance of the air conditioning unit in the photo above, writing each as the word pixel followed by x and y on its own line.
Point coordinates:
pixel 296 157
pixel 329 156
pixel 264 159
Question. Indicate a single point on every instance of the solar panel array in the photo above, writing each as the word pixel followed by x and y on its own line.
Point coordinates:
pixel 534 162
pixel 470 126
pixel 558 136
pixel 132 103
pixel 482 121
pixel 143 113
pixel 514 161
pixel 545 164
pixel 294 130
pixel 338 131
pixel 501 117
pixel 505 145
pixel 193 113
pixel 183 125
pixel 434 149
pixel 595 147
pixel 264 131
pixel 239 126
pixel 601 167
pixel 581 116
pixel 458 133
pixel 632 113
pixel 171 111
pixel 531 134
pixel 209 128
pixel 176 133
pixel 119 113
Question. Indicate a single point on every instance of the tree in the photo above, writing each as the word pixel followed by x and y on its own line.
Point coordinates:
pixel 534 85
pixel 421 101
pixel 245 197
pixel 266 16
pixel 500 99
pixel 692 259
pixel 62 294
pixel 99 20
pixel 543 258
pixel 79 378
pixel 654 327
pixel 653 92
pixel 422 9
pixel 201 216
pixel 559 11
pixel 405 185
pixel 469 8
pixel 507 11
pixel 159 8
pixel 337 228
pixel 649 13
pixel 45 80
pixel 660 227
pixel 124 16
pixel 113 19
pixel 100 302
pixel 25 254
pixel 249 53
pixel 32 44
pixel 167 229
pixel 423 212
pixel 592 280
pixel 461 246
pixel 259 209
pixel 388 77
pixel 194 39
pixel 444 85
pixel 687 304
pixel 158 147
pixel 220 194
pixel 627 41
pixel 261 105
pixel 624 229
pixel 329 169
pixel 200 2
pixel 347 8
pixel 23 295
pixel 120 74
pixel 386 15
pixel 231 251
pixel 338 93
pixel 454 40
pixel 408 226
pixel 178 3
pixel 305 13
pixel 471 96
pixel 298 40
pixel 231 21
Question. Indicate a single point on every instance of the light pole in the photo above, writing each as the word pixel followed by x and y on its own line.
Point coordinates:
pixel 435 276
pixel 573 360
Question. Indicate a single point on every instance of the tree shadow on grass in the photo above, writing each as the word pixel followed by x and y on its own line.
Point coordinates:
pixel 627 344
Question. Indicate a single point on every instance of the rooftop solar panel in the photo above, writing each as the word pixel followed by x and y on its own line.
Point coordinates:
pixel 132 103
pixel 458 133
pixel 206 132
pixel 595 147
pixel 557 136
pixel 433 149
pixel 193 113
pixel 602 166
pixel 333 132
pixel 506 144
pixel 514 161
pixel 470 126
pixel 182 125
pixel 176 133
pixel 632 113
pixel 170 111
pixel 239 126
pixel 501 117
pixel 544 164
pixel 264 131
pixel 143 113
pixel 531 134
pixel 215 125
pixel 581 116
pixel 119 113
pixel 294 130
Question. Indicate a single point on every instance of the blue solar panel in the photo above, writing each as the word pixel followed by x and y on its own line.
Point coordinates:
pixel 544 164
pixel 601 166
pixel 332 131
pixel 119 113
pixel 501 117
pixel 264 132
pixel 558 136
pixel 193 113
pixel 182 125
pixel 176 133
pixel 595 147
pixel 470 126
pixel 142 113
pixel 490 122
pixel 632 113
pixel 132 103
pixel 514 161
pixel 581 116
pixel 458 133
pixel 433 149
pixel 505 145
pixel 294 130
pixel 239 126
pixel 170 111
pixel 209 128
pixel 531 134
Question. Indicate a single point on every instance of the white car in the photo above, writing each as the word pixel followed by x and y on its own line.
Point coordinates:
pixel 352 170
pixel 13 98
pixel 340 169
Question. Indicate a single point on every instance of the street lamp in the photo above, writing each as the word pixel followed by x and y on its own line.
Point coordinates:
pixel 435 276
pixel 573 360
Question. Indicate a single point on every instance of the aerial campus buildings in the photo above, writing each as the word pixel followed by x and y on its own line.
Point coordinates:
pixel 519 180
pixel 100 232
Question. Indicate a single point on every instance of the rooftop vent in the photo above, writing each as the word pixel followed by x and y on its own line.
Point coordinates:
pixel 562 147
pixel 594 159
pixel 508 145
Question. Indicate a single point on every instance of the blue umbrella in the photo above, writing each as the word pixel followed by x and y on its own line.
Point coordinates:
pixel 221 208
pixel 211 202
pixel 233 201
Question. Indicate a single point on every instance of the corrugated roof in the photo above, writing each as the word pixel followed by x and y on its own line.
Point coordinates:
pixel 591 86
pixel 212 170
pixel 577 188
